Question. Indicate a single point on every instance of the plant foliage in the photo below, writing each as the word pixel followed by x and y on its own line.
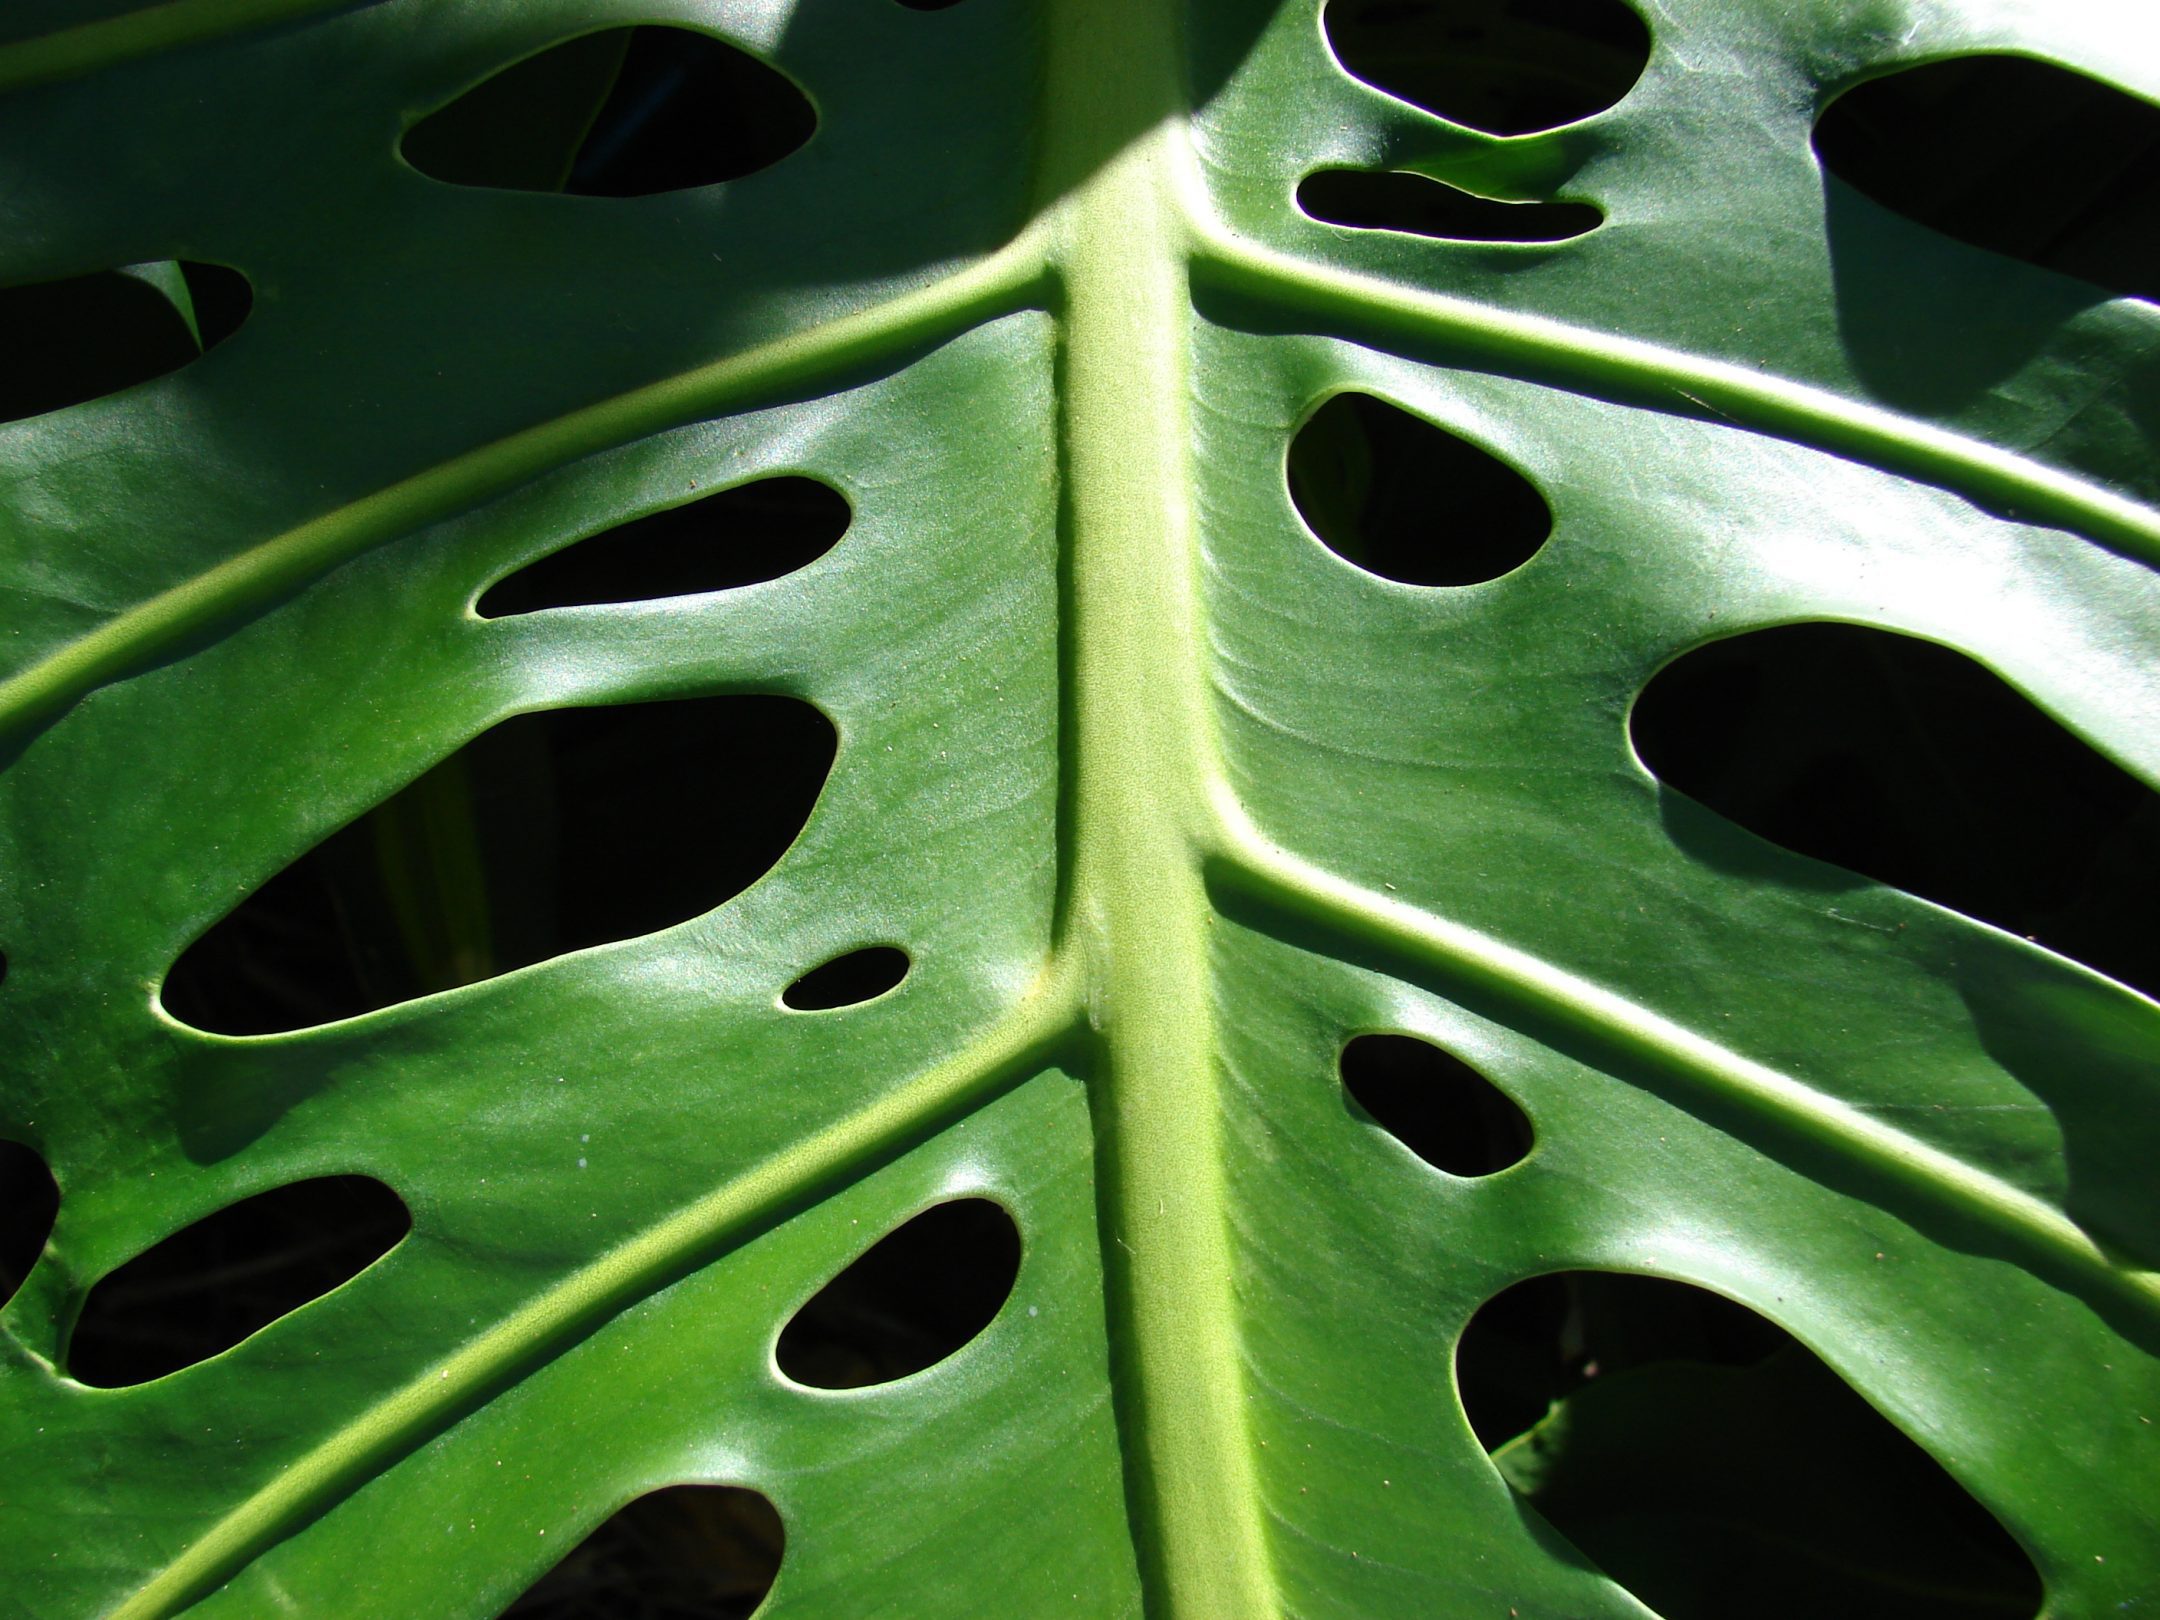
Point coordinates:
pixel 1078 807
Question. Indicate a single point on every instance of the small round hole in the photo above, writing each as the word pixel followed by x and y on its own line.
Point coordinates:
pixel 848 980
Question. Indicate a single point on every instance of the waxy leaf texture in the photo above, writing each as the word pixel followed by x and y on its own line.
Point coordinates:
pixel 1125 764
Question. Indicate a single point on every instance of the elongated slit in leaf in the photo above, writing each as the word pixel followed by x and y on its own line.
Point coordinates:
pixel 627 112
pixel 551 833
pixel 1408 501
pixel 848 980
pixel 1716 1467
pixel 68 342
pixel 1508 67
pixel 915 1297
pixel 1435 1104
pixel 29 1203
pixel 747 535
pixel 709 1551
pixel 1375 200
pixel 1913 765
pixel 231 1274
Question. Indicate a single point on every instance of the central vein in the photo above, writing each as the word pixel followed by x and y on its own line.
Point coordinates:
pixel 1142 755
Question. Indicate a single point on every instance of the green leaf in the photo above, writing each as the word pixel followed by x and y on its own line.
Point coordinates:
pixel 1165 797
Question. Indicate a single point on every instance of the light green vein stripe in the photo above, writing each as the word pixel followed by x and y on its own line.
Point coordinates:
pixel 1523 344
pixel 1023 1040
pixel 68 53
pixel 1248 860
pixel 262 574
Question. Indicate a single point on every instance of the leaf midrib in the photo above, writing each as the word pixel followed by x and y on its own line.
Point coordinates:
pixel 1147 811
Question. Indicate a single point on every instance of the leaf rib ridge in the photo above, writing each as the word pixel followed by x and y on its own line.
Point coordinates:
pixel 1779 407
pixel 68 53
pixel 271 569
pixel 1019 1044
pixel 1249 866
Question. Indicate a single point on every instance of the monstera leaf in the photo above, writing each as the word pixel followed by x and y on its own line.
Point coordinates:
pixel 1069 807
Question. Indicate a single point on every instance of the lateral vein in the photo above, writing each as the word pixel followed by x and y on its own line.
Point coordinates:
pixel 1246 860
pixel 272 568
pixel 1790 410
pixel 1007 1052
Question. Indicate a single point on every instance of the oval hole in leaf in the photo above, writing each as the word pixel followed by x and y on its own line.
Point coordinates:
pixel 1912 765
pixel 1716 1467
pixel 1507 67
pixel 628 112
pixel 712 1551
pixel 1435 1104
pixel 1410 502
pixel 29 1203
pixel 849 980
pixel 1375 200
pixel 742 536
pixel 552 832
pixel 2070 183
pixel 67 342
pixel 913 1298
pixel 210 1285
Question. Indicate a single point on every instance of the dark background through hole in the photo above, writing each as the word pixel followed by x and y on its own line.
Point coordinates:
pixel 1913 765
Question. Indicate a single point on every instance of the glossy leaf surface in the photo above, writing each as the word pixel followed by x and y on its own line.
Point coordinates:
pixel 1164 795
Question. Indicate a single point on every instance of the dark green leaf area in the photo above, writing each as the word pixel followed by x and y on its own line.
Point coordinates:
pixel 550 833
pixel 1911 764
pixel 29 1200
pixel 912 1299
pixel 207 1287
pixel 1411 502
pixel 2014 155
pixel 747 535
pixel 1507 67
pixel 1715 1467
pixel 689 1552
pixel 1435 1104
pixel 630 112
pixel 849 980
pixel 1373 200
pixel 67 342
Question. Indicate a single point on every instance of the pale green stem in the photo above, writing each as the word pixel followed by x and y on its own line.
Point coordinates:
pixel 1143 754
